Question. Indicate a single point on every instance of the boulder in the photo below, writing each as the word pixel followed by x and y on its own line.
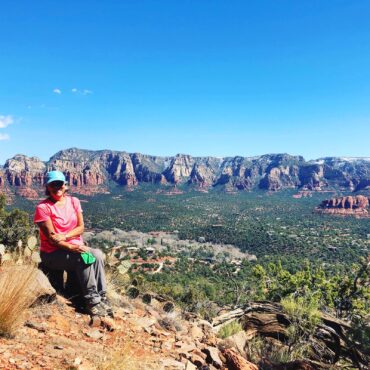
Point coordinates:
pixel 45 291
pixel 237 362
pixel 213 357
pixel 196 332
pixel 238 341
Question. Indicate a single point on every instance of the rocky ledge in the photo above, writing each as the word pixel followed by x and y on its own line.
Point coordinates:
pixel 150 333
pixel 143 336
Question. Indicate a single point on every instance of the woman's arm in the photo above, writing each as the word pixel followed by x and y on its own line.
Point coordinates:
pixel 77 231
pixel 48 230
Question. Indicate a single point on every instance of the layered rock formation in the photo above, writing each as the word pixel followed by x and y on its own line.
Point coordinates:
pixel 91 171
pixel 349 205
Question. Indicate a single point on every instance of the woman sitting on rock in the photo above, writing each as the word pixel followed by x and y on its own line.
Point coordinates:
pixel 61 224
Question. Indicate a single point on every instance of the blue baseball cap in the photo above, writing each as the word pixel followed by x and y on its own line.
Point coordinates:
pixel 55 176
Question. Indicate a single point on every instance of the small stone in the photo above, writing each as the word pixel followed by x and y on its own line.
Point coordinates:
pixel 190 366
pixel 95 321
pixel 94 334
pixel 199 353
pixel 108 324
pixel 173 364
pixel 41 327
pixel 58 347
pixel 167 345
pixel 77 361
pixel 197 360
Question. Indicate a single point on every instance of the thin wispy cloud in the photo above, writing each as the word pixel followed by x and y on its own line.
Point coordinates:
pixel 57 91
pixel 6 121
pixel 81 92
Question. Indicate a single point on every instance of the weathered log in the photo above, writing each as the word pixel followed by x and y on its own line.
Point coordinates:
pixel 329 342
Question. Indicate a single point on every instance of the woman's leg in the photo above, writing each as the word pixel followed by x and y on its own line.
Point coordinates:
pixel 99 271
pixel 65 260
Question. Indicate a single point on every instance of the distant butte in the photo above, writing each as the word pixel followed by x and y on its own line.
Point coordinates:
pixel 350 205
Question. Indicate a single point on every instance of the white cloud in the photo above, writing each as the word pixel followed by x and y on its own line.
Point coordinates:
pixel 4 137
pixel 81 92
pixel 6 121
pixel 57 91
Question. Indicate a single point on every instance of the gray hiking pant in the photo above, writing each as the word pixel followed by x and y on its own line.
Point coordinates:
pixel 91 277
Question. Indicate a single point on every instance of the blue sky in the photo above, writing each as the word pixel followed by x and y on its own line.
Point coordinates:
pixel 203 77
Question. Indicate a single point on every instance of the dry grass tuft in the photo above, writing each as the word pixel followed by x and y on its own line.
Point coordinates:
pixel 125 358
pixel 18 291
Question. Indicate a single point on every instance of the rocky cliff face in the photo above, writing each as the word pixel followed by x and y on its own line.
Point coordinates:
pixel 349 205
pixel 91 171
pixel 23 171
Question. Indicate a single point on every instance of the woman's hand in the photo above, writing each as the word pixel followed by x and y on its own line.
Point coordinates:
pixel 56 238
pixel 80 248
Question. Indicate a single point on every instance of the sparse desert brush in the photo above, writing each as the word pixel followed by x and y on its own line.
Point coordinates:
pixel 18 290
pixel 303 310
pixel 171 320
pixel 125 358
pixel 304 317
pixel 229 329
pixel 116 281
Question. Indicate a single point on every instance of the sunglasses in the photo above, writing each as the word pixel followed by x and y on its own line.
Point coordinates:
pixel 56 184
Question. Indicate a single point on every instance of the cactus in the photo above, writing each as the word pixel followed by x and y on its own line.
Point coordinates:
pixel 168 307
pixel 27 252
pixel 31 242
pixel 6 257
pixel 133 292
pixel 35 257
pixel 147 298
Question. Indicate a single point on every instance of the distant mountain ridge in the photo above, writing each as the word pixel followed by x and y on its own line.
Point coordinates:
pixel 90 171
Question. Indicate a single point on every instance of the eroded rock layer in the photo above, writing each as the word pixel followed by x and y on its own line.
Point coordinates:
pixel 91 171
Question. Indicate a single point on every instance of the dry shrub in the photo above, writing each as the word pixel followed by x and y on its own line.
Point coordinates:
pixel 171 321
pixel 18 290
pixel 125 358
pixel 116 289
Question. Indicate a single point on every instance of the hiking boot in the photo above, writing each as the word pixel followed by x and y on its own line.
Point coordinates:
pixel 108 307
pixel 97 309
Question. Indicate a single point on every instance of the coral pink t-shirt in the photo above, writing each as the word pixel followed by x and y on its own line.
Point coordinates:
pixel 64 219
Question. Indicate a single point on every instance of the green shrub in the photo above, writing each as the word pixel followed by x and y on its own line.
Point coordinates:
pixel 14 226
pixel 230 329
pixel 304 317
